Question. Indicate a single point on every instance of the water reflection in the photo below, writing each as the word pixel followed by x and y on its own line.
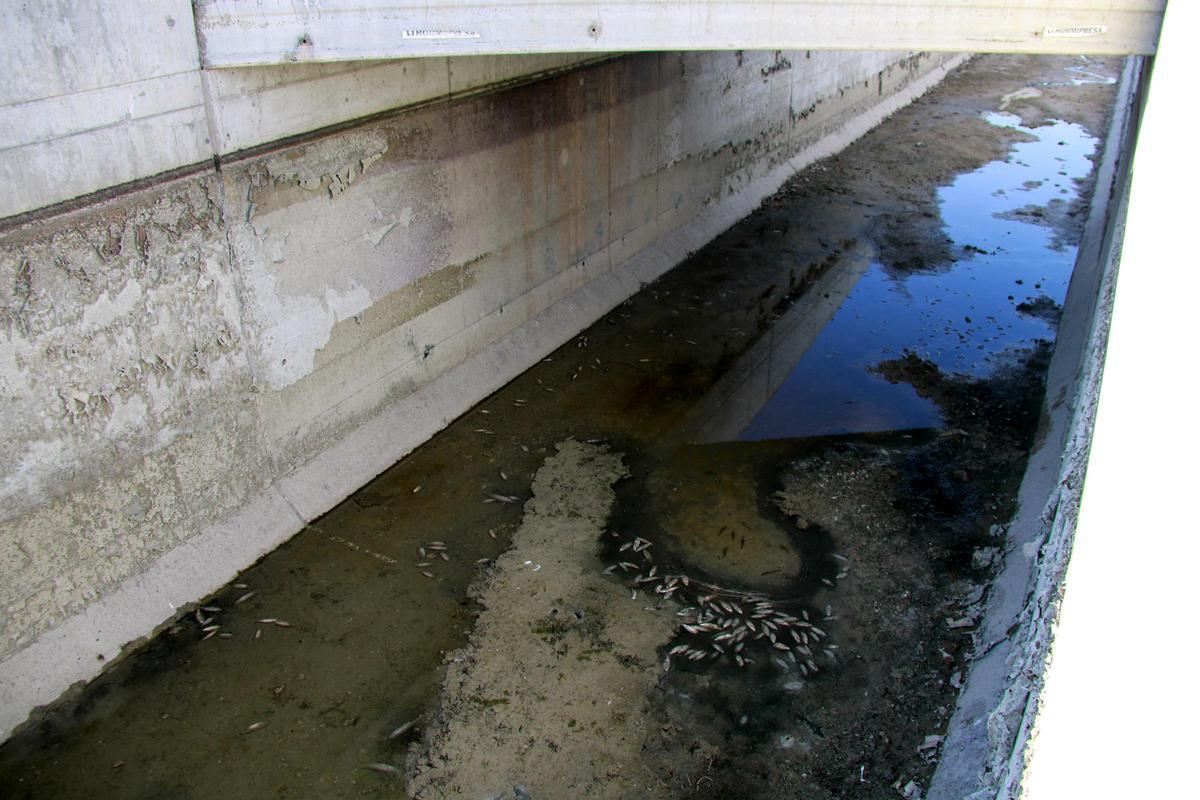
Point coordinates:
pixel 1011 221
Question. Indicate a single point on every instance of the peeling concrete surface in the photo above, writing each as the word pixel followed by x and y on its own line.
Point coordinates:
pixel 206 352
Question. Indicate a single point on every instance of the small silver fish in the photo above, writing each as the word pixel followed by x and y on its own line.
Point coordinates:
pixel 383 769
pixel 255 726
pixel 244 598
pixel 403 729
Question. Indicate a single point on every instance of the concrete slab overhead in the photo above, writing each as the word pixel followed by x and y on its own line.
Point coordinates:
pixel 280 32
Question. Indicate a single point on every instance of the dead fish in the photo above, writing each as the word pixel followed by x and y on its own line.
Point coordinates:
pixel 483 561
pixel 427 574
pixel 424 564
pixel 437 545
pixel 240 586
pixel 258 634
pixel 417 488
pixel 211 609
pixel 503 477
pixel 255 726
pixel 444 556
pixel 383 769
pixel 840 557
pixel 421 552
pixel 827 582
pixel 244 598
pixel 225 635
pixel 403 729
pixel 210 628
pixel 279 623
pixel 609 570
pixel 267 621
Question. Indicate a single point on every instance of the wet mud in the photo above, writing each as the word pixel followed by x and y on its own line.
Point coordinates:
pixel 730 541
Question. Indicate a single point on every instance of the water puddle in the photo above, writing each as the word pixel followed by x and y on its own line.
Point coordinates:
pixel 728 542
pixel 1000 296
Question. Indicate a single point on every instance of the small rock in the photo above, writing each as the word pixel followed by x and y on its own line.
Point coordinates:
pixel 985 557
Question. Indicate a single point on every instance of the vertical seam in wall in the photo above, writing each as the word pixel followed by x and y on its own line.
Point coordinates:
pixel 210 111
pixel 611 78
pixel 452 168
pixel 658 155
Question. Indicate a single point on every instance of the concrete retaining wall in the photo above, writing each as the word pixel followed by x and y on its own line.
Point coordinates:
pixel 193 370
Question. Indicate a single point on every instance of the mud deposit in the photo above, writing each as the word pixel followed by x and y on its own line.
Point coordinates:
pixel 729 542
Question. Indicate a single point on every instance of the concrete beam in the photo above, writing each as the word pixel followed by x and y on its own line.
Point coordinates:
pixel 234 33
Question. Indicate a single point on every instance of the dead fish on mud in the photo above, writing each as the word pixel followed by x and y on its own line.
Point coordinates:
pixel 384 769
pixel 724 623
pixel 403 729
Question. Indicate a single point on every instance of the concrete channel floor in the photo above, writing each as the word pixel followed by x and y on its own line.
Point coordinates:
pixel 464 590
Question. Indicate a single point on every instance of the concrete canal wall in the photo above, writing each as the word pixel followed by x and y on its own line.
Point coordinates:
pixel 228 299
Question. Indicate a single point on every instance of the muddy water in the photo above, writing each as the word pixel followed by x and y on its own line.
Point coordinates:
pixel 816 422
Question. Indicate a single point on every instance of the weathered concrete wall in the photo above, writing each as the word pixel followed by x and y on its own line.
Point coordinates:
pixel 192 371
pixel 106 93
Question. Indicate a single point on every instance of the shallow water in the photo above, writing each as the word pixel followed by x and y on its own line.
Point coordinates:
pixel 712 383
pixel 962 316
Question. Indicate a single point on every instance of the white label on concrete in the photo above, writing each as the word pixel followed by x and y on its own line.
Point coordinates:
pixel 436 34
pixel 1075 31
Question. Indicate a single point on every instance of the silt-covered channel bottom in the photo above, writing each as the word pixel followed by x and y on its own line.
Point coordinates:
pixel 731 541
